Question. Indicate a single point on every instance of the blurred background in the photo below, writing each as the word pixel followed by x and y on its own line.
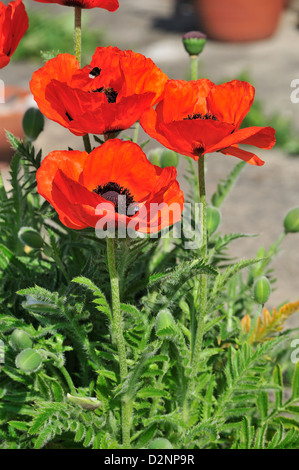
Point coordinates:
pixel 257 42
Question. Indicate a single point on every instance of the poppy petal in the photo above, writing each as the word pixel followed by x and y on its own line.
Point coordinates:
pixel 70 162
pixel 110 5
pixel 230 110
pixel 262 137
pixel 243 155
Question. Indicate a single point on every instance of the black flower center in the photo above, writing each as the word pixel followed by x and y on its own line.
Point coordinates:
pixel 121 197
pixel 111 94
pixel 202 116
pixel 73 3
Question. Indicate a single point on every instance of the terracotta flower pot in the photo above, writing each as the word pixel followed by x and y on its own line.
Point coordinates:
pixel 16 101
pixel 239 20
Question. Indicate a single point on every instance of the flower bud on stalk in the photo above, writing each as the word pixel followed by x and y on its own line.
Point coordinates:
pixel 291 221
pixel 169 158
pixel 20 340
pixel 30 237
pixel 154 156
pixel 160 443
pixel 262 290
pixel 33 123
pixel 29 360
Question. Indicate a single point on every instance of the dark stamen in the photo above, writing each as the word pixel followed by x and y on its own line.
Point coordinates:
pixel 95 72
pixel 202 116
pixel 121 197
pixel 69 117
pixel 109 92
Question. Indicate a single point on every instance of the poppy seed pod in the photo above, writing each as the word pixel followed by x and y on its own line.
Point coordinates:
pixel 33 123
pixel 194 42
pixel 291 221
pixel 20 340
pixel 262 290
pixel 29 361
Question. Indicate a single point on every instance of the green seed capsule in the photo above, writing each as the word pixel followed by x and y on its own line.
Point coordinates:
pixel 20 340
pixel 262 290
pixel 160 443
pixel 33 123
pixel 194 42
pixel 165 323
pixel 31 237
pixel 29 361
pixel 169 158
pixel 291 221
pixel 213 219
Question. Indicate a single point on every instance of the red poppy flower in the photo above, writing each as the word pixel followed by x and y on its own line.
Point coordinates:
pixel 110 5
pixel 13 25
pixel 114 185
pixel 106 96
pixel 198 117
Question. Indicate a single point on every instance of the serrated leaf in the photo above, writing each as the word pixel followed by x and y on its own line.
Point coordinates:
pixel 19 425
pixel 277 379
pixel 151 392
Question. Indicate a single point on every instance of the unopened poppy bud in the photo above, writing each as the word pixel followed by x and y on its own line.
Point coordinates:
pixel 194 42
pixel 154 156
pixel 291 221
pixel 213 219
pixel 30 237
pixel 87 403
pixel 165 323
pixel 20 340
pixel 169 158
pixel 261 290
pixel 160 443
pixel 33 123
pixel 29 361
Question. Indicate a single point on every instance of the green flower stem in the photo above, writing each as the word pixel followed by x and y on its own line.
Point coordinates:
pixel 62 369
pixel 118 334
pixel 193 66
pixel 136 132
pixel 78 53
pixel 203 280
pixel 87 144
pixel 78 34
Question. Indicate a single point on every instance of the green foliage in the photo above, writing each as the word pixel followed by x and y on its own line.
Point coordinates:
pixel 57 294
pixel 39 37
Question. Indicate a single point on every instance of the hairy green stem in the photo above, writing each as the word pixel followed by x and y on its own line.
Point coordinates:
pixel 78 54
pixel 87 144
pixel 136 132
pixel 118 334
pixel 63 370
pixel 193 66
pixel 203 277
pixel 77 34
